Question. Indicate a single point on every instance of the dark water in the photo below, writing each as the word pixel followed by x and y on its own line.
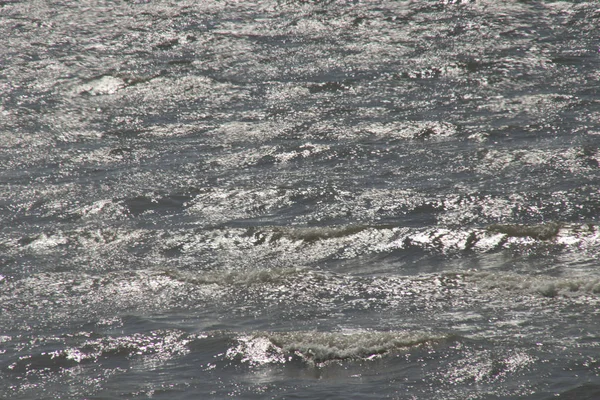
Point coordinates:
pixel 299 199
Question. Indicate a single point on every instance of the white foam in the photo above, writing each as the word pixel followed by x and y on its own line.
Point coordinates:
pixel 319 348
pixel 101 86
pixel 46 242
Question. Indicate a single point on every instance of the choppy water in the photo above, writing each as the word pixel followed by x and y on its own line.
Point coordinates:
pixel 299 199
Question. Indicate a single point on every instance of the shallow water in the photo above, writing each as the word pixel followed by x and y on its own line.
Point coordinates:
pixel 299 199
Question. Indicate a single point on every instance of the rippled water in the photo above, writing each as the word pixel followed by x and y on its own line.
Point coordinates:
pixel 299 199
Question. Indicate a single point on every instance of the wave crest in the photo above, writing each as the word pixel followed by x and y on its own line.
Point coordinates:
pixel 320 348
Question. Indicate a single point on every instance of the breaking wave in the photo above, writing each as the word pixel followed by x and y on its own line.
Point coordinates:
pixel 320 348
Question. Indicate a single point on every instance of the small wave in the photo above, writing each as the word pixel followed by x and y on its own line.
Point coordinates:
pixel 552 236
pixel 586 391
pixel 238 278
pixel 104 85
pixel 534 104
pixel 218 205
pixel 43 241
pixel 105 208
pixel 481 366
pixel 86 238
pixel 76 296
pixel 493 237
pixel 311 234
pixel 578 161
pixel 163 343
pixel 319 348
pixel 233 132
pixel 411 130
pixel 305 151
pixel 540 232
pixel 566 287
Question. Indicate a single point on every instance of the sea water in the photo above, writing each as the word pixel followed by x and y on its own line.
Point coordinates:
pixel 299 199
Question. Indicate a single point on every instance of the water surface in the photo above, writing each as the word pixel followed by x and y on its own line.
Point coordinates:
pixel 299 199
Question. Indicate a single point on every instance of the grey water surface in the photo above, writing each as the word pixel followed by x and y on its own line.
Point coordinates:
pixel 299 199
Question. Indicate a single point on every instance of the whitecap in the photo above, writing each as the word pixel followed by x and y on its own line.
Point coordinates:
pixel 320 348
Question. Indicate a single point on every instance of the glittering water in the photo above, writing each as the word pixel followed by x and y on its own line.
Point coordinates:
pixel 299 199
